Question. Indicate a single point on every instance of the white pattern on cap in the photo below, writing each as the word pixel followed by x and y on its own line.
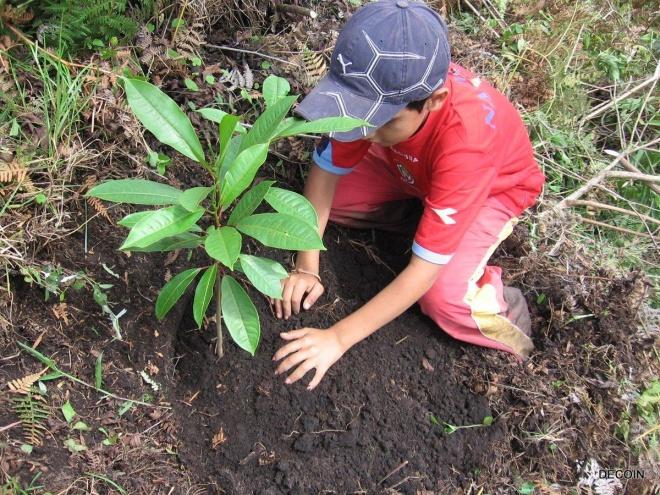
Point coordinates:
pixel 389 53
pixel 379 55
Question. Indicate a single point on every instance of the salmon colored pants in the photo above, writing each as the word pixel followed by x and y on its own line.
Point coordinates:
pixel 468 300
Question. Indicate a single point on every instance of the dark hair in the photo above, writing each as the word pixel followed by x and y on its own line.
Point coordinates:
pixel 416 105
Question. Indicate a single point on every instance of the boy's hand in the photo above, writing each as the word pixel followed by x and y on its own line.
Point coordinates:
pixel 299 289
pixel 309 348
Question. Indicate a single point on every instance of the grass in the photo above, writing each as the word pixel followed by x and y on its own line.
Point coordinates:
pixel 42 124
pixel 14 487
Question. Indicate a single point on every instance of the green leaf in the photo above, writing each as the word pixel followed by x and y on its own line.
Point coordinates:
pixel 204 293
pixel 242 172
pixel 275 88
pixel 216 115
pixel 190 84
pixel 293 204
pixel 173 290
pixel 81 426
pixel 46 360
pixel 268 122
pixel 184 240
pixel 227 127
pixel 132 220
pixel 163 117
pixel 224 245
pixel 321 126
pixel 278 269
pixel 261 275
pixel 449 428
pixel 160 224
pixel 233 149
pixel 68 412
pixel 240 315
pixel 74 446
pixel 98 371
pixel 250 201
pixel 285 124
pixel 213 114
pixel 191 198
pixel 527 488
pixel 281 231
pixel 136 191
pixel 125 408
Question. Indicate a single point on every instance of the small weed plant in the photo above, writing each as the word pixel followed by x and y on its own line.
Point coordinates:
pixel 229 202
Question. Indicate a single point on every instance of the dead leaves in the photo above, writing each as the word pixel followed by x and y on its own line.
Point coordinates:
pixel 15 15
pixel 23 385
pixel 61 313
pixel 13 171
pixel 219 438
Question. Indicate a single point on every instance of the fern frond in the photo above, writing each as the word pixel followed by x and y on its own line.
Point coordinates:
pixel 98 206
pixel 249 77
pixel 13 171
pixel 73 25
pixel 32 410
pixel 15 15
pixel 313 66
pixel 61 313
pixel 23 385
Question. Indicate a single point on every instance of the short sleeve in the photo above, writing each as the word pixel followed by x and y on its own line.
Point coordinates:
pixel 337 157
pixel 459 188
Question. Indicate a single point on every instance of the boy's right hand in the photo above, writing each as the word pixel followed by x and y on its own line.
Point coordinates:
pixel 298 290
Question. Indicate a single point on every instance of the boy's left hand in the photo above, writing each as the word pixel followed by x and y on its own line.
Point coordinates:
pixel 310 348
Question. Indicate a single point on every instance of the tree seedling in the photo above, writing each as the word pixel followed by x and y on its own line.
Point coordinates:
pixel 449 428
pixel 214 218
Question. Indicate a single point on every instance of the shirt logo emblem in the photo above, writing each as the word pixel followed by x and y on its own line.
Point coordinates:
pixel 445 215
pixel 405 174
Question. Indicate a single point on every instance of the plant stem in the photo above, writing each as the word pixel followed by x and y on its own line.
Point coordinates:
pixel 219 350
pixel 51 364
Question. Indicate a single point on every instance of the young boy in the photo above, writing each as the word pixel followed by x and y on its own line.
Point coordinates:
pixel 439 134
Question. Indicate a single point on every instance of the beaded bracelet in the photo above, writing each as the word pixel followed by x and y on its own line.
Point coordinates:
pixel 305 272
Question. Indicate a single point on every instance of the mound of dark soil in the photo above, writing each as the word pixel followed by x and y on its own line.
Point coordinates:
pixel 375 421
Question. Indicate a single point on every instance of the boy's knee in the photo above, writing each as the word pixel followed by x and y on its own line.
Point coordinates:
pixel 444 300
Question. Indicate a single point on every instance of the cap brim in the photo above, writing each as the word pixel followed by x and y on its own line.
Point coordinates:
pixel 328 99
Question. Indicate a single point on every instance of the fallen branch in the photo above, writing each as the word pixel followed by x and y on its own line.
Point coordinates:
pixel 635 175
pixel 36 46
pixel 603 206
pixel 588 185
pixel 296 9
pixel 483 19
pixel 604 106
pixel 631 168
pixel 614 227
pixel 251 52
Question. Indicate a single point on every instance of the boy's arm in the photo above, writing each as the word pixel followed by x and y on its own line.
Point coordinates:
pixel 314 348
pixel 319 190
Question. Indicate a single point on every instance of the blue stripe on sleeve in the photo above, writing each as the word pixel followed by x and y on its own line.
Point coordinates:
pixel 324 161
pixel 430 256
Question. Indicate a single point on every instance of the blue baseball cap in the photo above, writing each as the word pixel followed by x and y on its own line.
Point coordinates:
pixel 389 53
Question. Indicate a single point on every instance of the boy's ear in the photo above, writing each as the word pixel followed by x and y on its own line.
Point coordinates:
pixel 436 100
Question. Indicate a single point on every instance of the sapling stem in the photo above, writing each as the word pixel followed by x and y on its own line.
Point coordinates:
pixel 219 350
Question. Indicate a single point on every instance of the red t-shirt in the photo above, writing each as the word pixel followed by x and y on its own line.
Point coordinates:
pixel 476 146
